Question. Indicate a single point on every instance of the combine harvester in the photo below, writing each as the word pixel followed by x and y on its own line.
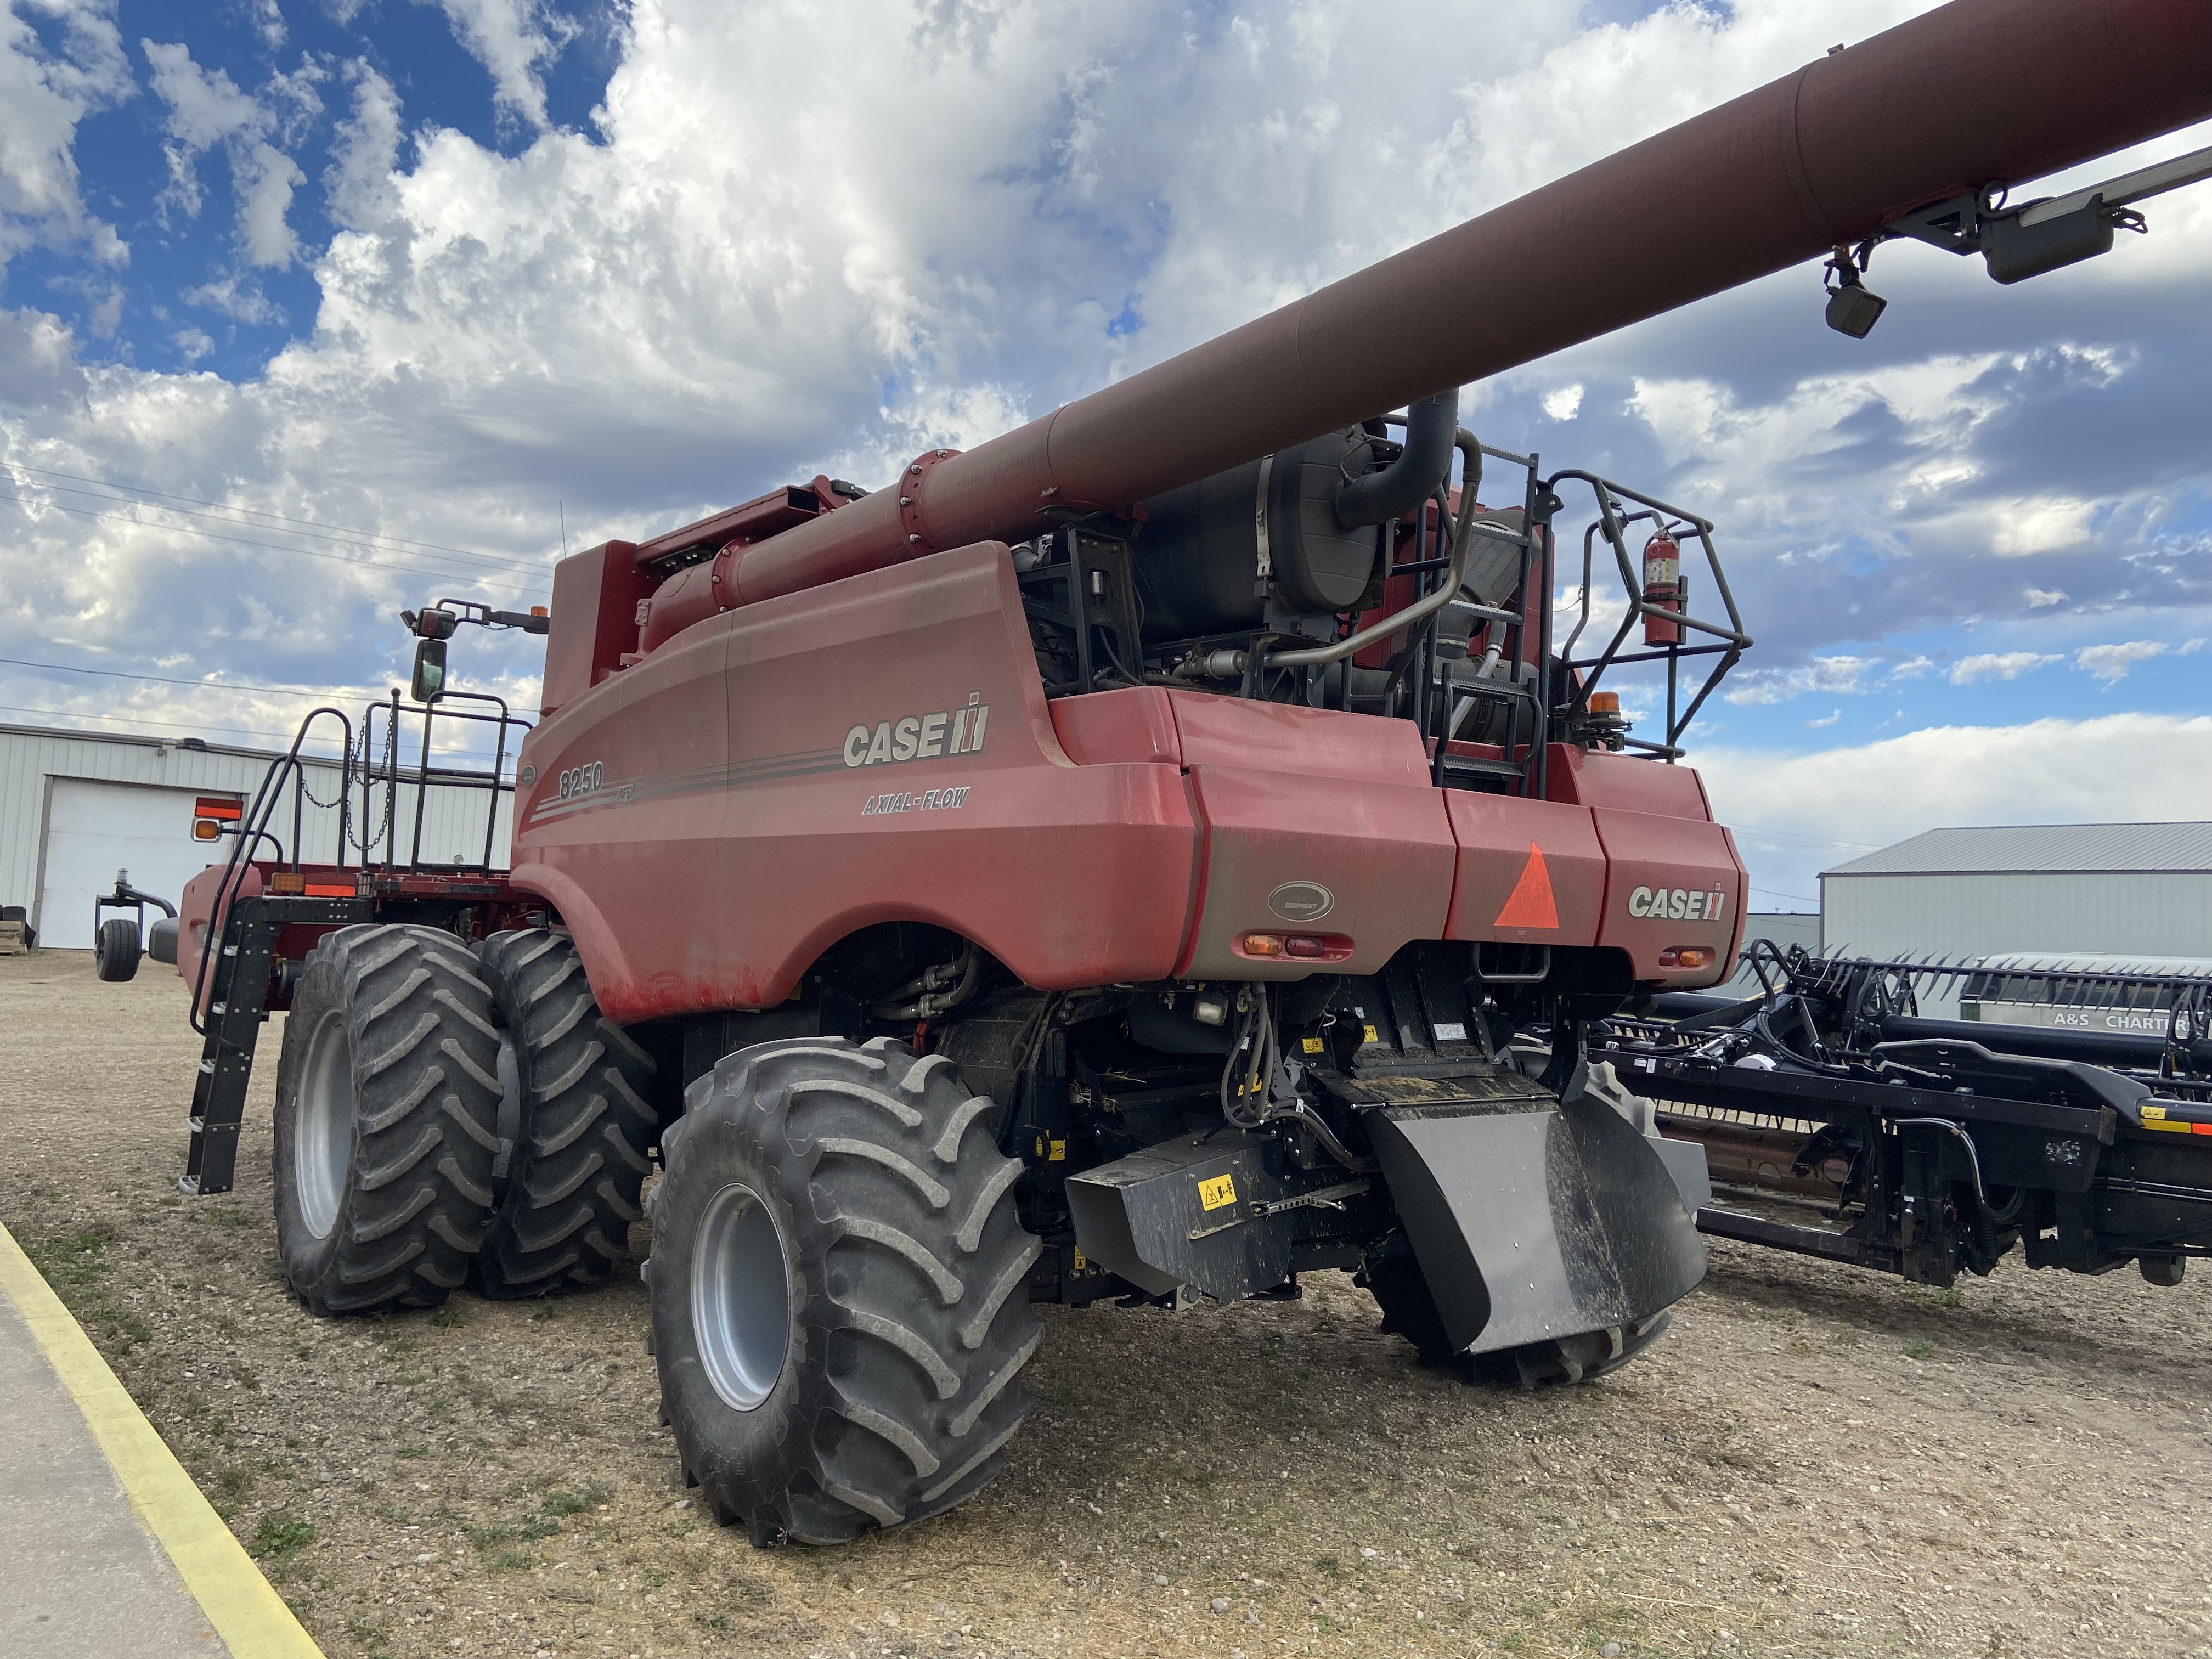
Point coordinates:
pixel 1160 851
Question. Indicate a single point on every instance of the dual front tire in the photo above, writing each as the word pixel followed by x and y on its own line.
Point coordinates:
pixel 443 1116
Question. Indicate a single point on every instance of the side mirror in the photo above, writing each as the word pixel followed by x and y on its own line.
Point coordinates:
pixel 429 681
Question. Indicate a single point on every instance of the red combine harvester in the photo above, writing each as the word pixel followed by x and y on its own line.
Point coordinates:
pixel 1162 851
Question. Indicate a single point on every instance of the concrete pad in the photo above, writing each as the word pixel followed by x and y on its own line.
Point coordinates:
pixel 85 1580
pixel 107 1550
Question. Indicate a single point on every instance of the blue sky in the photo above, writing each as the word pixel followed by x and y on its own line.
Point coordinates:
pixel 311 308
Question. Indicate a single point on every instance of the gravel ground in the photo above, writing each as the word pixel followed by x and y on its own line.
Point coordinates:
pixel 1815 1461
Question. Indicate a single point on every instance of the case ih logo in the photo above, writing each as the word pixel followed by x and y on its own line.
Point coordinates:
pixel 1679 904
pixel 920 736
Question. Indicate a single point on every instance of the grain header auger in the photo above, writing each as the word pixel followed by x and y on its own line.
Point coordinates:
pixel 1160 852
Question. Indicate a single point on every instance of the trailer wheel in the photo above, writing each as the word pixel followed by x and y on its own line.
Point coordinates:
pixel 387 1099
pixel 115 949
pixel 574 1125
pixel 839 1281
pixel 1410 1312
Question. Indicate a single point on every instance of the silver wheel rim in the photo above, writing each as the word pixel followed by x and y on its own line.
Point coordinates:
pixel 323 1127
pixel 740 1297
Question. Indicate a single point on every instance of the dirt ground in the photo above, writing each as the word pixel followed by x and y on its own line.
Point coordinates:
pixel 1816 1460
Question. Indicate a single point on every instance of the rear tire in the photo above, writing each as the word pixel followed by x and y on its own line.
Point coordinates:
pixel 387 1104
pixel 579 1126
pixel 115 949
pixel 840 1289
pixel 1410 1312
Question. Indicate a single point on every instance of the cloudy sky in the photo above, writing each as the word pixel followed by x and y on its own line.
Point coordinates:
pixel 312 309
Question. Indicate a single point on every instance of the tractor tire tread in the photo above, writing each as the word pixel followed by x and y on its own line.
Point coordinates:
pixel 913 1268
pixel 580 1153
pixel 419 1169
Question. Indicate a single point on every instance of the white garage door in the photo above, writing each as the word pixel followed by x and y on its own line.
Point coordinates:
pixel 93 830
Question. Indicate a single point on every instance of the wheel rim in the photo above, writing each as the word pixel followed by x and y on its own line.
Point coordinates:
pixel 323 1138
pixel 740 1297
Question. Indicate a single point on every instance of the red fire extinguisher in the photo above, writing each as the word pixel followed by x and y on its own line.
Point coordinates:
pixel 1662 586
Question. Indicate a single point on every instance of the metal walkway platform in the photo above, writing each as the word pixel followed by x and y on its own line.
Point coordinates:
pixel 106 1547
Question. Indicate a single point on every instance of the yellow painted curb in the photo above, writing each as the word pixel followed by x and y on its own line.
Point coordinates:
pixel 246 1613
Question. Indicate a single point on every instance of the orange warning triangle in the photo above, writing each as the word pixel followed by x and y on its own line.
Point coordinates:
pixel 1530 905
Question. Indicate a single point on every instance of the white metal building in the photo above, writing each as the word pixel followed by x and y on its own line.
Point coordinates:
pixel 77 807
pixel 2114 890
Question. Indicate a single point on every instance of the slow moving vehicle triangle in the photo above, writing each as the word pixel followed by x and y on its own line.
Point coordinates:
pixel 1530 904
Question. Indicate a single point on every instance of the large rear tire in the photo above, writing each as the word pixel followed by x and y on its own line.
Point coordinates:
pixel 840 1289
pixel 575 1127
pixel 387 1104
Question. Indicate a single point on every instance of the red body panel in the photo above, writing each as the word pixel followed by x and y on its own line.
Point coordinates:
pixel 1516 858
pixel 725 837
pixel 1684 861
pixel 596 595
pixel 710 819
pixel 1381 852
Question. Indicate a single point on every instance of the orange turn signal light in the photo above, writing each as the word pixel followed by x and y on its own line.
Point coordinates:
pixel 1685 956
pixel 538 611
pixel 1303 947
pixel 206 829
pixel 293 882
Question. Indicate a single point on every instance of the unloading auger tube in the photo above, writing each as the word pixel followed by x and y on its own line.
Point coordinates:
pixel 1974 94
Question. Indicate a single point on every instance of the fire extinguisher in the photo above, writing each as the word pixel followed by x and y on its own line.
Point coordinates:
pixel 1663 586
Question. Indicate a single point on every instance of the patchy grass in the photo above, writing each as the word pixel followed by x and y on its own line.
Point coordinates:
pixel 279 1537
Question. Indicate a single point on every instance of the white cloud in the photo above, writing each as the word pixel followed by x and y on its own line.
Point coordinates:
pixel 2149 767
pixel 2038 598
pixel 44 94
pixel 1912 668
pixel 1826 719
pixel 359 186
pixel 2042 525
pixel 1564 403
pixel 208 109
pixel 1997 665
pixel 2111 662
pixel 513 39
pixel 1772 685
pixel 268 178
pixel 204 108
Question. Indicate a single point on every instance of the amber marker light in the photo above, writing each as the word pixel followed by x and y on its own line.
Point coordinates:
pixel 1685 956
pixel 1300 947
pixel 1605 702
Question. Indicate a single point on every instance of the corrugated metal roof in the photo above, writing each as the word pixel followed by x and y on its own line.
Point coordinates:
pixel 2044 849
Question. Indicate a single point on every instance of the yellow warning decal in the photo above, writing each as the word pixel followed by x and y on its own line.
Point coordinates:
pixel 1059 1153
pixel 2155 1117
pixel 1313 1045
pixel 1081 1260
pixel 1218 1193
pixel 1371 1037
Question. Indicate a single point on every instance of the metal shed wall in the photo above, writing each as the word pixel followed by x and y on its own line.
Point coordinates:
pixel 32 757
pixel 2161 914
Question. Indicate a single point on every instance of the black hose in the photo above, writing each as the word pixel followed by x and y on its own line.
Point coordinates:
pixel 1432 425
